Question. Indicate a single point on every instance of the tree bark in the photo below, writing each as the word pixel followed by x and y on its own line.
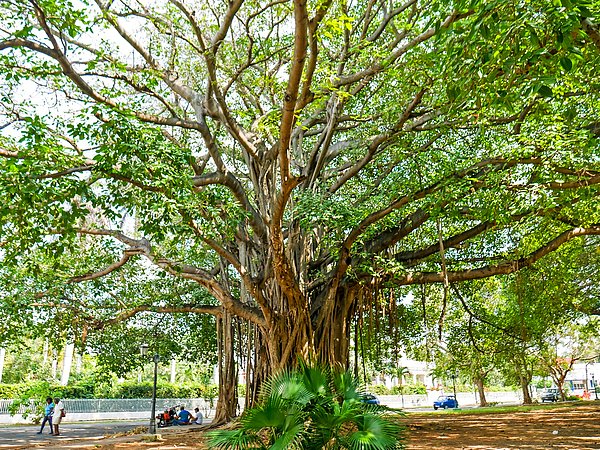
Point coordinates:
pixel 227 402
pixel 525 389
pixel 479 382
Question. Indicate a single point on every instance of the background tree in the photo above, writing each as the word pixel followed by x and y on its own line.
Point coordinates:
pixel 563 349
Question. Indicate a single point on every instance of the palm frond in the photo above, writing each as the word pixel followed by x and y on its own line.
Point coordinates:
pixel 271 414
pixel 292 439
pixel 310 409
pixel 290 387
pixel 374 433
pixel 316 379
pixel 347 386
pixel 233 440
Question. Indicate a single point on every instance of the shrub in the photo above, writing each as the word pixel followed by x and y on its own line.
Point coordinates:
pixel 409 389
pixel 415 389
pixel 379 389
pixel 89 388
pixel 311 408
pixel 82 389
pixel 11 390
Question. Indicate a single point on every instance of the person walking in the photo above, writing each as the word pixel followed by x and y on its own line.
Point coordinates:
pixel 48 410
pixel 57 415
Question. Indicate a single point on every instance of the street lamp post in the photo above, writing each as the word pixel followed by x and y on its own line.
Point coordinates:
pixel 454 375
pixel 595 389
pixel 155 358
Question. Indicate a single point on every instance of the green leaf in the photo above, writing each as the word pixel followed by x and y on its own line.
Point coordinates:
pixel 566 63
pixel 544 91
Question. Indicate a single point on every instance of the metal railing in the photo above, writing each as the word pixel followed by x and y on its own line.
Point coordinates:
pixel 101 405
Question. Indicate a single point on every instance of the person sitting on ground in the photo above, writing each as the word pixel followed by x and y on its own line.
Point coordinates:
pixel 183 417
pixel 47 415
pixel 197 417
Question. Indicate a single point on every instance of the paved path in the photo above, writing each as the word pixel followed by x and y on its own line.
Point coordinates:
pixel 24 436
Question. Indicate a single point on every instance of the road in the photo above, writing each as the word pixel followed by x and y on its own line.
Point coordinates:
pixel 22 436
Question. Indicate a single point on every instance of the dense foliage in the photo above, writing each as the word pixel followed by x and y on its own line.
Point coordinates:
pixel 90 389
pixel 312 408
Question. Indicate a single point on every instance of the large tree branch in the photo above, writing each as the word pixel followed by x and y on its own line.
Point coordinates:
pixel 281 263
pixel 172 80
pixel 379 66
pixel 58 55
pixel 181 270
pixel 229 180
pixel 306 96
pixel 288 117
pixel 125 315
pixel 210 57
pixel 504 268
pixel 111 268
pixel 377 142
pixel 475 172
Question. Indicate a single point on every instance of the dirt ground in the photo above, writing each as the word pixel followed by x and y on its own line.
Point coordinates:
pixel 576 428
pixel 569 428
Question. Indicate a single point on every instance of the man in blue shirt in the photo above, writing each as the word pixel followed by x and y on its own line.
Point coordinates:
pixel 183 418
pixel 47 415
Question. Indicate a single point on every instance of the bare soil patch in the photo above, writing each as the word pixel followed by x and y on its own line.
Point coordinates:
pixel 573 428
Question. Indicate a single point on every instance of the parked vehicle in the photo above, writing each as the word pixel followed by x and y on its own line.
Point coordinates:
pixel 370 399
pixel 445 401
pixel 166 418
pixel 550 395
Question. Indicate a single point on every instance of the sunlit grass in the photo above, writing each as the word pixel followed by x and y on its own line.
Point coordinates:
pixel 505 409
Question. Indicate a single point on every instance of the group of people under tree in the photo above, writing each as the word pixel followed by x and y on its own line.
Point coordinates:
pixel 184 417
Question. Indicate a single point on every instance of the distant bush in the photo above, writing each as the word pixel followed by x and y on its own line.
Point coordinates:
pixel 406 389
pixel 11 390
pixel 409 389
pixel 379 389
pixel 82 389
pixel 87 388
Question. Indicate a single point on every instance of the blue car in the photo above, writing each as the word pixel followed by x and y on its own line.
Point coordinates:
pixel 445 401
pixel 370 399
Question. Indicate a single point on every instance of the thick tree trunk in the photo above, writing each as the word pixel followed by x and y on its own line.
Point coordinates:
pixel 332 331
pixel 291 335
pixel 559 384
pixel 525 389
pixel 479 382
pixel 227 402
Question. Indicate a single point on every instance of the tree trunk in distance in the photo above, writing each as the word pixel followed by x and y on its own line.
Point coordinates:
pixel 67 363
pixel 481 390
pixel 525 389
pixel 2 356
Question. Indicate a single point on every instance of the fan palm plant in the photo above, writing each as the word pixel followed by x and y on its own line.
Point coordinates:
pixel 312 408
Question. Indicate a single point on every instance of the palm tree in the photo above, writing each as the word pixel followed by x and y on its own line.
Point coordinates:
pixel 312 408
pixel 400 372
